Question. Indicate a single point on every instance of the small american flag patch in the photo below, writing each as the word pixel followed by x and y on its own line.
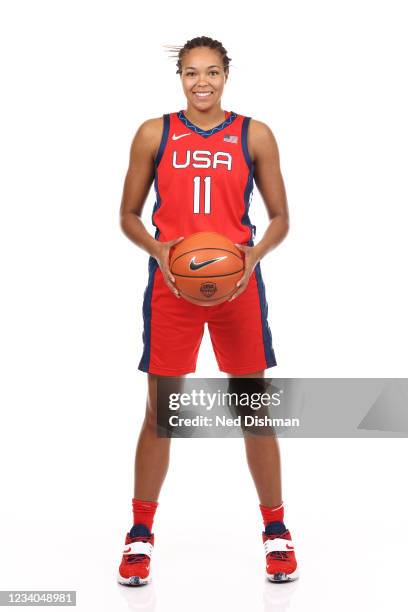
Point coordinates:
pixel 233 139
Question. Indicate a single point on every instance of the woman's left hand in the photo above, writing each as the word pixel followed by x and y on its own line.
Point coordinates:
pixel 251 259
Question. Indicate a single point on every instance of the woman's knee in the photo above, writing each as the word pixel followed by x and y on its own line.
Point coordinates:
pixel 151 400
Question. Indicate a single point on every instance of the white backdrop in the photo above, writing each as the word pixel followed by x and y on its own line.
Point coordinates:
pixel 78 78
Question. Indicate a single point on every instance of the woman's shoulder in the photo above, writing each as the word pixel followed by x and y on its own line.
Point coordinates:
pixel 150 127
pixel 260 138
pixel 259 128
pixel 148 135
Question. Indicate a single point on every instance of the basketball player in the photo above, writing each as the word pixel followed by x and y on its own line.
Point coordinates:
pixel 177 151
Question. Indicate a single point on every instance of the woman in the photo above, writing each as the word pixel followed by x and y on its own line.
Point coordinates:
pixel 178 151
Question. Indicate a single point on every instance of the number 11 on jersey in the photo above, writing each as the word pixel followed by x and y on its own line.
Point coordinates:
pixel 207 195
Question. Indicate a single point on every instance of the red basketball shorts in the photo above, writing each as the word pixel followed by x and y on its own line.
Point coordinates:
pixel 173 329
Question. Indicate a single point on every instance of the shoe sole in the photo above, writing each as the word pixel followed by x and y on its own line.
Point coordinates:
pixel 133 580
pixel 282 577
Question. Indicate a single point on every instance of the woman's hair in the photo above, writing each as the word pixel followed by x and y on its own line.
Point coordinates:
pixel 200 41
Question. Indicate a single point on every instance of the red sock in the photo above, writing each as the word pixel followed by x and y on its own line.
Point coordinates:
pixel 271 514
pixel 143 512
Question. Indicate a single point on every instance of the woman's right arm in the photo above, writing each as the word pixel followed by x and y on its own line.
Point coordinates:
pixel 139 178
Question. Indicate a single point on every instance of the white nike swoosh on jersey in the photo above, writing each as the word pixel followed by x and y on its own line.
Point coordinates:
pixel 180 136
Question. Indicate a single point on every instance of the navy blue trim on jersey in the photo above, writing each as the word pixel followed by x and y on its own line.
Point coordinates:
pixel 153 265
pixel 244 141
pixel 157 203
pixel 206 133
pixel 165 135
pixel 147 316
pixel 247 202
pixel 266 332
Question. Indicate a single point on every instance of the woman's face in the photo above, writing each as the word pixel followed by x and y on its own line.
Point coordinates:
pixel 202 72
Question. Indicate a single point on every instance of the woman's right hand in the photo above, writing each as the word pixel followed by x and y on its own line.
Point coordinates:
pixel 161 255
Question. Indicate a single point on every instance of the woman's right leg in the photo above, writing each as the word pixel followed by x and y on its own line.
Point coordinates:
pixel 152 452
pixel 151 465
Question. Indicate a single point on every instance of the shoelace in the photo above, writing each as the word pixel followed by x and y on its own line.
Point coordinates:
pixel 139 557
pixel 279 555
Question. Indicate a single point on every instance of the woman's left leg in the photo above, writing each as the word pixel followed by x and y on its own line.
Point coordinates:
pixel 263 458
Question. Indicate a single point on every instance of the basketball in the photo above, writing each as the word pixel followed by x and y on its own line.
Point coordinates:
pixel 206 267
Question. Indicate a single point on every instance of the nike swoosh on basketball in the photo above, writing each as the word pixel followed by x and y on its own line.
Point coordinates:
pixel 174 137
pixel 196 266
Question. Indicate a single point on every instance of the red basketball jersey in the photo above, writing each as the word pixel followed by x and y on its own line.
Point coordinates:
pixel 203 179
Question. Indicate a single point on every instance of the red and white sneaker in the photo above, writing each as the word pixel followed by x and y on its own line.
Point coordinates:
pixel 281 564
pixel 134 569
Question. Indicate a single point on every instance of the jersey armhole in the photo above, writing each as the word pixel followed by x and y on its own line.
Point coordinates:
pixel 244 141
pixel 165 134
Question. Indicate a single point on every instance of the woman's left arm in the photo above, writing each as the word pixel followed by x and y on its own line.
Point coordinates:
pixel 264 152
